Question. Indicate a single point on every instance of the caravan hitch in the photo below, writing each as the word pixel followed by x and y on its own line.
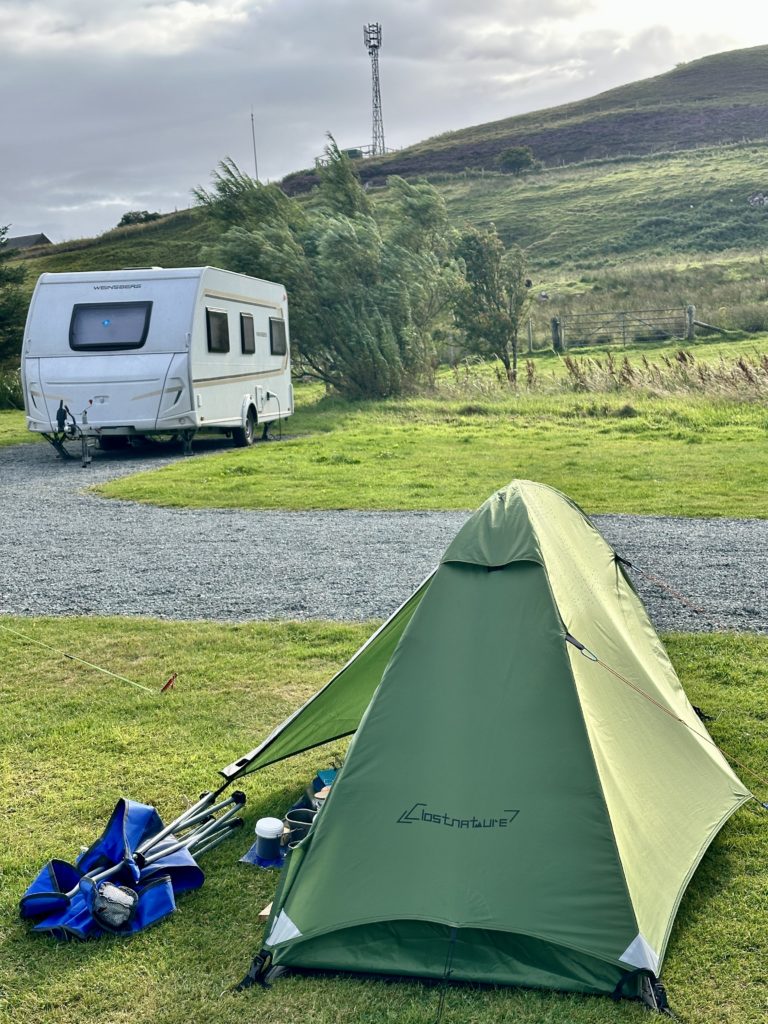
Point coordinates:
pixel 68 431
pixel 64 431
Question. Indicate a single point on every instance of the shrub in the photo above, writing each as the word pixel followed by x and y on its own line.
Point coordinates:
pixel 137 217
pixel 516 160
pixel 11 396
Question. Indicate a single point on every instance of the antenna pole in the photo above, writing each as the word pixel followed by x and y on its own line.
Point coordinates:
pixel 372 41
pixel 253 136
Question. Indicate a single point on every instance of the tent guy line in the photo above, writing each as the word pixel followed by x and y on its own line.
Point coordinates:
pixel 654 578
pixel 591 656
pixel 71 657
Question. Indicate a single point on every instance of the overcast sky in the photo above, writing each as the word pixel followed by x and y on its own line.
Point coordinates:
pixel 126 106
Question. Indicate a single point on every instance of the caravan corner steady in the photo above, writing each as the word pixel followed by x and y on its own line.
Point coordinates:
pixel 130 353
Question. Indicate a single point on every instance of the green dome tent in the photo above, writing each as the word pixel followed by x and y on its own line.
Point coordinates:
pixel 528 791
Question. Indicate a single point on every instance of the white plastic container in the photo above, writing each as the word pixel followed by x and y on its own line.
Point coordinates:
pixel 268 833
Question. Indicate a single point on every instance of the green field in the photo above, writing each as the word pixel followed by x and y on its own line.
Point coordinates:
pixel 645 233
pixel 610 453
pixel 693 201
pixel 682 446
pixel 73 741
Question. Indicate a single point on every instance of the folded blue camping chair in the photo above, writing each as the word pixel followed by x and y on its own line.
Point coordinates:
pixel 78 918
pixel 67 902
pixel 130 824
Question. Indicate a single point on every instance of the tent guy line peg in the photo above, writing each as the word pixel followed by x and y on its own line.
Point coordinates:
pixel 168 685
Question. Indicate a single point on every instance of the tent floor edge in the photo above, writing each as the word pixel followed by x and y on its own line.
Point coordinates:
pixel 648 989
pixel 262 973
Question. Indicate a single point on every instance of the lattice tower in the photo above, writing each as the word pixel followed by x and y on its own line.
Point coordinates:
pixel 372 40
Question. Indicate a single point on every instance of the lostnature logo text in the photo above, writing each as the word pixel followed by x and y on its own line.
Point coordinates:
pixel 419 813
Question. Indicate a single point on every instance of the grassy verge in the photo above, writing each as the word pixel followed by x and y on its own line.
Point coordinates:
pixel 681 455
pixel 13 428
pixel 73 741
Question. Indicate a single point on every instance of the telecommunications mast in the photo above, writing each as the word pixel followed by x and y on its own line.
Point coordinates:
pixel 372 40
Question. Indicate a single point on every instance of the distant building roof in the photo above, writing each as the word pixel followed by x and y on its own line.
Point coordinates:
pixel 27 241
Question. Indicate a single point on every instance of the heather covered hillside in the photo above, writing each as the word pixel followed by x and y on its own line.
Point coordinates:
pixel 718 99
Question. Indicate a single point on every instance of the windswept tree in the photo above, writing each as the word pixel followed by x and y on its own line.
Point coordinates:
pixel 340 184
pixel 237 199
pixel 13 307
pixel 492 303
pixel 421 242
pixel 364 285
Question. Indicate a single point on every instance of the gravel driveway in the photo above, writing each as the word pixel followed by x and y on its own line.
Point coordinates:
pixel 65 552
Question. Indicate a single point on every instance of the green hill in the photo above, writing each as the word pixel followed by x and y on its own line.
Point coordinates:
pixel 174 240
pixel 695 201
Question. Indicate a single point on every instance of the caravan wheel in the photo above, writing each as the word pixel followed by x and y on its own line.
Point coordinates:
pixel 245 436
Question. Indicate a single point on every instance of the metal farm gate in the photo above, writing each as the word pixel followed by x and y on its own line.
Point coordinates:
pixel 625 327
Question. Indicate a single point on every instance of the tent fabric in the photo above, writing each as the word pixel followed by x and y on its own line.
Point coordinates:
pixel 605 613
pixel 508 805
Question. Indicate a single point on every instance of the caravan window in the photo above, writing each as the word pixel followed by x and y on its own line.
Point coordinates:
pixel 105 326
pixel 277 341
pixel 217 323
pixel 247 335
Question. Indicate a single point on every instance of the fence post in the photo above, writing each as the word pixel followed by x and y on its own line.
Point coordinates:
pixel 690 318
pixel 530 335
pixel 557 336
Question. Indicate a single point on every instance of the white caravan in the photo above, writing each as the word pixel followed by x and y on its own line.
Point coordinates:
pixel 131 353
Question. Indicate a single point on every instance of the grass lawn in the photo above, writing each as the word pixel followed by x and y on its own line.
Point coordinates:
pixel 73 741
pixel 682 456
